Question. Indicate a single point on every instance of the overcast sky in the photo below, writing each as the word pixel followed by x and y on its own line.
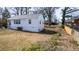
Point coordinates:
pixel 58 12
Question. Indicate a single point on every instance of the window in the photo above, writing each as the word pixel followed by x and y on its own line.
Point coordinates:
pixel 16 21
pixel 29 21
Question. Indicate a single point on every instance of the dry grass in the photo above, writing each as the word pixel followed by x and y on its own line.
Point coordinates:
pixel 12 40
pixel 16 40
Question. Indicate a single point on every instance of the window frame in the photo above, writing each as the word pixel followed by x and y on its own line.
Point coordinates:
pixel 17 21
pixel 29 21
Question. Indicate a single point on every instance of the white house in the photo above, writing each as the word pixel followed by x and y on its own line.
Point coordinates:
pixel 29 22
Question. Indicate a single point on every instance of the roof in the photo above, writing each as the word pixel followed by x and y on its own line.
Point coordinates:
pixel 25 16
pixel 73 18
pixel 76 17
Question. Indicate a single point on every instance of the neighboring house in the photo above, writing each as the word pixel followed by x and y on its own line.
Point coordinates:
pixel 72 23
pixel 29 22
pixel 74 17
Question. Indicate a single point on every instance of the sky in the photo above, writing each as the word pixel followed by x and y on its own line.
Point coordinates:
pixel 58 12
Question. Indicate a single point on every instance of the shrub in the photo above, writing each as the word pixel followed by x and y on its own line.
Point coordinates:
pixel 3 22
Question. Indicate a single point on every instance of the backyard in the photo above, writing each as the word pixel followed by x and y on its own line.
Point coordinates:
pixel 52 38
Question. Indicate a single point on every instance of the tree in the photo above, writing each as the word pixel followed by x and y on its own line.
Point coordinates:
pixel 63 15
pixel 17 10
pixel 21 10
pixel 42 11
pixel 66 11
pixel 26 9
pixel 5 15
pixel 48 12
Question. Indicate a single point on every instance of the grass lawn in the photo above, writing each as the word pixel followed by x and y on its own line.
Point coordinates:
pixel 16 40
pixel 12 40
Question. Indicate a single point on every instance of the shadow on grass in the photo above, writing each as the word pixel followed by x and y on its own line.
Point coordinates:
pixel 50 27
pixel 45 31
pixel 48 32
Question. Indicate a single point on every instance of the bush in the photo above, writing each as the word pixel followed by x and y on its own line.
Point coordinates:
pixel 3 22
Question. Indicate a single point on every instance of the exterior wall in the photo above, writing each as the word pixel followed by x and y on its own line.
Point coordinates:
pixel 41 26
pixel 35 25
pixel 30 27
pixel 68 30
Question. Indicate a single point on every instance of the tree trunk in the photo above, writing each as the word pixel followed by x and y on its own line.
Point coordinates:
pixel 49 21
pixel 26 10
pixel 17 10
pixel 63 19
pixel 21 10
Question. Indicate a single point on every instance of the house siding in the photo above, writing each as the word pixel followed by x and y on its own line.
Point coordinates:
pixel 35 25
pixel 76 21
